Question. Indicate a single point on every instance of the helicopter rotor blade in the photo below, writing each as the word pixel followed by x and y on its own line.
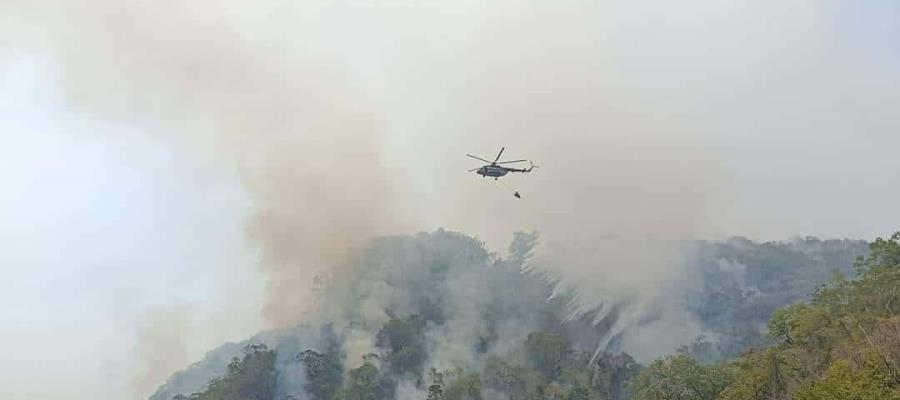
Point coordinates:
pixel 498 155
pixel 478 158
pixel 474 169
pixel 510 162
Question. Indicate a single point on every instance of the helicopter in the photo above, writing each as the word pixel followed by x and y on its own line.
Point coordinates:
pixel 495 169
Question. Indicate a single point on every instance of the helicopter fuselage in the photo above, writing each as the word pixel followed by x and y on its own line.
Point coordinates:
pixel 492 171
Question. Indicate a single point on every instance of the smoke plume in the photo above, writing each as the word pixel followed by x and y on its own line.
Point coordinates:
pixel 224 88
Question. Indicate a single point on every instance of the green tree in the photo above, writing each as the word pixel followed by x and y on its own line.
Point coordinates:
pixel 406 340
pixel 578 392
pixel 324 374
pixel 365 383
pixel 548 353
pixel 464 387
pixel 761 375
pixel 884 253
pixel 249 378
pixel 612 374
pixel 842 382
pixel 553 391
pixel 679 378
pixel 519 383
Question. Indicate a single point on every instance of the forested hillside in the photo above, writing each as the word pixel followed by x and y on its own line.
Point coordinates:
pixel 436 316
pixel 843 344
pixel 743 282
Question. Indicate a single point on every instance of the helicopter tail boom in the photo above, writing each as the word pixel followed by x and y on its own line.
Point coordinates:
pixel 523 170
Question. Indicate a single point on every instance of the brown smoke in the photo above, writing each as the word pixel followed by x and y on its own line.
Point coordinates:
pixel 224 88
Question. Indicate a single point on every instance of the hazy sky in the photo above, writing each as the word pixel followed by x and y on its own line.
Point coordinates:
pixel 101 226
pixel 787 108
